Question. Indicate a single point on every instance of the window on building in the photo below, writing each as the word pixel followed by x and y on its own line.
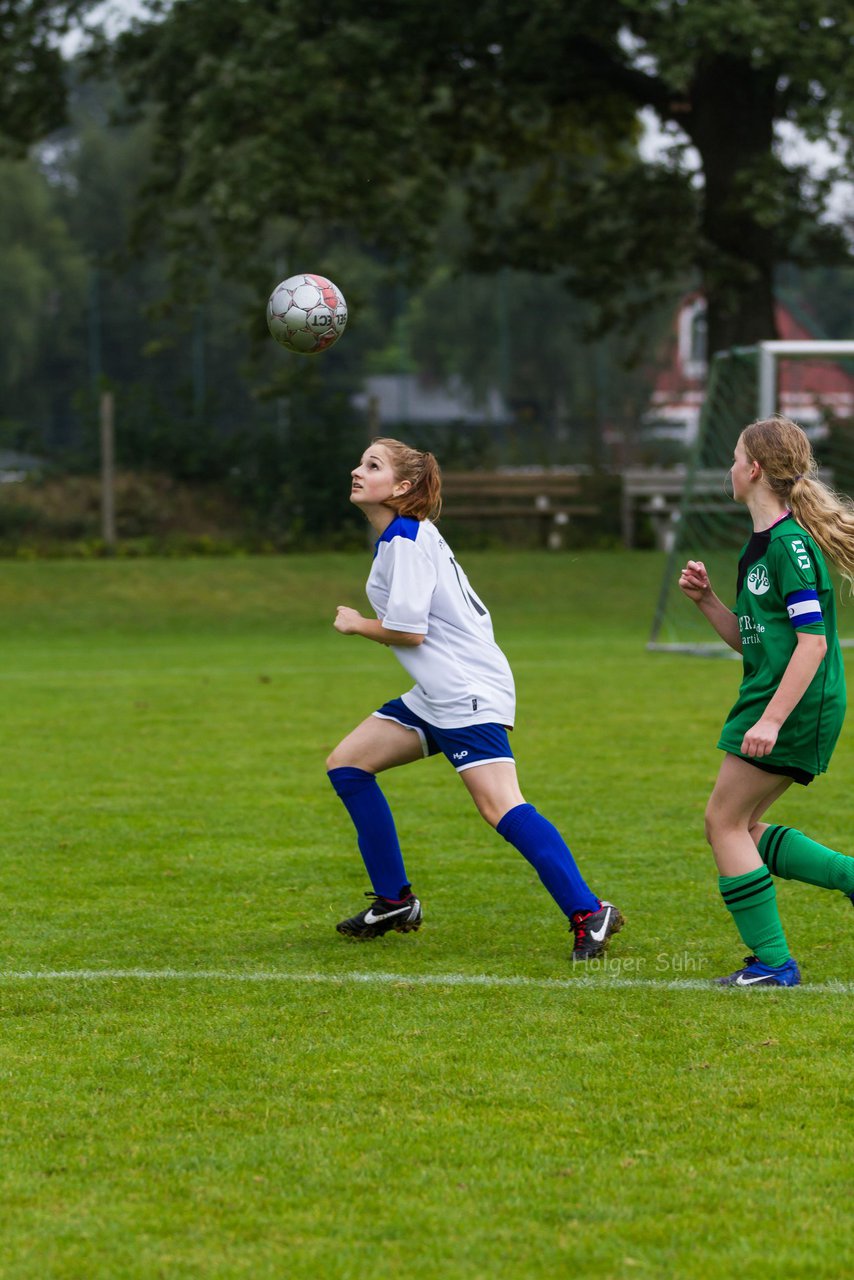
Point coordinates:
pixel 698 337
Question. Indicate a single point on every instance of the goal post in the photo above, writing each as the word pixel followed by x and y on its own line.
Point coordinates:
pixel 745 383
pixel 773 351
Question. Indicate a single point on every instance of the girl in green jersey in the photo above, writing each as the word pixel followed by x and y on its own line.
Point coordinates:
pixel 791 703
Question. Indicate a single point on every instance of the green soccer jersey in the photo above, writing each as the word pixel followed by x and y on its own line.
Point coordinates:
pixel 784 587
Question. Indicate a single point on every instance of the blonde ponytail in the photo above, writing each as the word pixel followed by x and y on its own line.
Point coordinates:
pixel 785 455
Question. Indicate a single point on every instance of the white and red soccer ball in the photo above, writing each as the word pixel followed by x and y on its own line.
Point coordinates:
pixel 306 314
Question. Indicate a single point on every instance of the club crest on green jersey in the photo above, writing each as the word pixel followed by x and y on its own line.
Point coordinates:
pixel 758 581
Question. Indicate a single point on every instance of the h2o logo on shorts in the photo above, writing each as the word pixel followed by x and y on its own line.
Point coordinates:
pixel 758 581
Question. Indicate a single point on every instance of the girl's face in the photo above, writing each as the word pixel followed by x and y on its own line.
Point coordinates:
pixel 373 480
pixel 744 471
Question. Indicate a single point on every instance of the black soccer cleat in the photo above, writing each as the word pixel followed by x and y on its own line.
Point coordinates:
pixel 594 929
pixel 384 914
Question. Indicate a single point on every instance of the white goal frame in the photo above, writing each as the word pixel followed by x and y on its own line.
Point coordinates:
pixel 769 354
pixel 772 351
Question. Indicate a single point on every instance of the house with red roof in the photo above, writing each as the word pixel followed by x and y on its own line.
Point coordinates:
pixel 810 390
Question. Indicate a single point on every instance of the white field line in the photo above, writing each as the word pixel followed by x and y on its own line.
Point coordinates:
pixel 588 982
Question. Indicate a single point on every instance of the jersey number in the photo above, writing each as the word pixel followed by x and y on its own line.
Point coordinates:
pixel 801 554
pixel 467 595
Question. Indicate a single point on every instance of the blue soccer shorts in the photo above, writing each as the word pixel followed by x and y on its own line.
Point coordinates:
pixel 465 748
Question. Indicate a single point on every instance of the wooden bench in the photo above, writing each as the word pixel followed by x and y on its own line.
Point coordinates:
pixel 549 496
pixel 657 492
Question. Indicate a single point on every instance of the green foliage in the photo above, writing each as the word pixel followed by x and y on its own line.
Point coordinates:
pixel 166 813
pixel 433 160
pixel 820 298
pixel 32 88
pixel 532 108
pixel 364 118
pixel 526 336
pixel 84 311
pixel 42 278
pixel 201 392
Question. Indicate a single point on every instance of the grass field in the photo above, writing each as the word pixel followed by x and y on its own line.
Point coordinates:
pixel 201 1078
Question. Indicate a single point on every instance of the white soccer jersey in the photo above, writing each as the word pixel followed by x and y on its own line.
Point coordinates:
pixel 416 585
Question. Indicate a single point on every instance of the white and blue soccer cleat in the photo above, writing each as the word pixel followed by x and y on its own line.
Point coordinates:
pixel 757 974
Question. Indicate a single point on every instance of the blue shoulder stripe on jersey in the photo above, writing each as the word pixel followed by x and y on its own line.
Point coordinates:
pixel 400 527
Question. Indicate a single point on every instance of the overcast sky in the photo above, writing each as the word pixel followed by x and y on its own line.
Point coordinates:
pixel 794 149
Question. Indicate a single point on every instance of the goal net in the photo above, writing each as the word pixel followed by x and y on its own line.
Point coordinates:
pixel 810 382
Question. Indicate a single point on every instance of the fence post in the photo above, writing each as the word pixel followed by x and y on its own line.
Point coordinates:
pixel 108 472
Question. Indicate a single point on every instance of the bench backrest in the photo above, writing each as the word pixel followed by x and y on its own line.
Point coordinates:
pixel 643 482
pixel 646 482
pixel 510 484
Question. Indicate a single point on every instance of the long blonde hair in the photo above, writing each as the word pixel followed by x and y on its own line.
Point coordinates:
pixel 788 464
pixel 424 500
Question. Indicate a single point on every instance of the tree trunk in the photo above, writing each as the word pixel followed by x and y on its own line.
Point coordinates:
pixel 730 121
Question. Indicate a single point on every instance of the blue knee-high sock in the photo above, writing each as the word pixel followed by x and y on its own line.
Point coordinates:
pixel 549 855
pixel 372 818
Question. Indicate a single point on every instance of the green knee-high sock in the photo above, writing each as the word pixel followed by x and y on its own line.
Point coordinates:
pixel 752 899
pixel 793 856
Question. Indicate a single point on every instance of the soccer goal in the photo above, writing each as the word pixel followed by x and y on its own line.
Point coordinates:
pixel 811 382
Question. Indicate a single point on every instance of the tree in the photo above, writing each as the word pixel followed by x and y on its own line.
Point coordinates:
pixel 356 116
pixel 727 75
pixel 42 291
pixel 352 122
pixel 32 67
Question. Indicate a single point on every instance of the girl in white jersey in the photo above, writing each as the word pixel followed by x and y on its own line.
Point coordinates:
pixel 462 704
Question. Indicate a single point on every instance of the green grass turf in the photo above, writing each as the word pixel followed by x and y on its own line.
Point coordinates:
pixel 453 1103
